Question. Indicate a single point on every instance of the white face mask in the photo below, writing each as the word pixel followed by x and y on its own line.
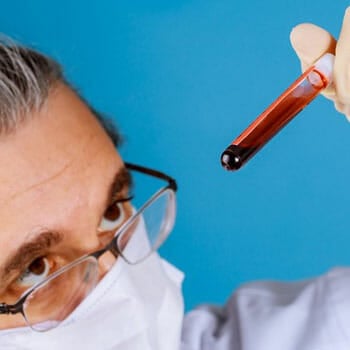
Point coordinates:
pixel 134 307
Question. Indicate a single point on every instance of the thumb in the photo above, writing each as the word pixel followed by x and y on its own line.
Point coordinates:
pixel 310 42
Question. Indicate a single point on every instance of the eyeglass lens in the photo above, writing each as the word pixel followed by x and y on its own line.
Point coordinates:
pixel 139 238
pixel 60 296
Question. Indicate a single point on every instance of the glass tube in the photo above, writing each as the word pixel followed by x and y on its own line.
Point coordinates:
pixel 279 113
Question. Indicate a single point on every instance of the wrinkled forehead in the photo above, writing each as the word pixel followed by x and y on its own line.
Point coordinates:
pixel 59 158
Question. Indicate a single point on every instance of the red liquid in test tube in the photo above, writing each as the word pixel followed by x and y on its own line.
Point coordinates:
pixel 279 113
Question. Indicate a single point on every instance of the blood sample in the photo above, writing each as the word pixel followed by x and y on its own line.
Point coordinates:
pixel 279 113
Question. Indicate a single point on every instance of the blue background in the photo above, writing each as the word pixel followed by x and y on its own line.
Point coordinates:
pixel 182 79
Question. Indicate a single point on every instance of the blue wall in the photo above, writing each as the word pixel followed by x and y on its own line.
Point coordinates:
pixel 182 79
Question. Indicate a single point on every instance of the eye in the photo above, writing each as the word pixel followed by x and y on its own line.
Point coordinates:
pixel 113 217
pixel 36 272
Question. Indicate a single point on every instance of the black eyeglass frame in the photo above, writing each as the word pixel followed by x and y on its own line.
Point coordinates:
pixel 112 246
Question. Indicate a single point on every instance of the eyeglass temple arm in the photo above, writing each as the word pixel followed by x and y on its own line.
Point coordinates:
pixel 152 172
pixel 10 309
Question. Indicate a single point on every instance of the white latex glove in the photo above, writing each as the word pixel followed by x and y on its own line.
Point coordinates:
pixel 310 42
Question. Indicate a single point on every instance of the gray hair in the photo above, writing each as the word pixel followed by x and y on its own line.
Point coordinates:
pixel 26 79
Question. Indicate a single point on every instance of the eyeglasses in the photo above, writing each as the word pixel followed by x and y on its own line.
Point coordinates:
pixel 61 292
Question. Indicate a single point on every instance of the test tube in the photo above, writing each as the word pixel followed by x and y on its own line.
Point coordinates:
pixel 279 113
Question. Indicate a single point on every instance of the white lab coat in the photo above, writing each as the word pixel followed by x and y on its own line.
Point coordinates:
pixel 308 315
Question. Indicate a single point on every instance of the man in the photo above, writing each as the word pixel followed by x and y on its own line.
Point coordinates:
pixel 65 192
pixel 78 262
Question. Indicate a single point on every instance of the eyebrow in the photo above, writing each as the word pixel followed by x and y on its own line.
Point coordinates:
pixel 122 180
pixel 28 251
pixel 44 240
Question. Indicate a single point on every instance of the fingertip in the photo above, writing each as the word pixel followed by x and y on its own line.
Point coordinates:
pixel 295 33
pixel 310 42
pixel 296 40
pixel 298 32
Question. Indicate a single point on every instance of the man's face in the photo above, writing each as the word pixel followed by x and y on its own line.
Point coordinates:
pixel 56 176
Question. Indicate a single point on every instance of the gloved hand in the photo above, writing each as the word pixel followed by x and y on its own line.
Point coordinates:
pixel 310 42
